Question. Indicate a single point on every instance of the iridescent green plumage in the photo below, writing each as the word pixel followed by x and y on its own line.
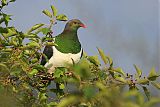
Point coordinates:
pixel 68 41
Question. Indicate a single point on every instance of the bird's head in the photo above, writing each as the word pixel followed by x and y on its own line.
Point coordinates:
pixel 74 24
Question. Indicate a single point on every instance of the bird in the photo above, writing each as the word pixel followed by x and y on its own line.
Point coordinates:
pixel 68 49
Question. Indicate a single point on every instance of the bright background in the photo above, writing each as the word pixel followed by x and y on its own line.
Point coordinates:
pixel 127 30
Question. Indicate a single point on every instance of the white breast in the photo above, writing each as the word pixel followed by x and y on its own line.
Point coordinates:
pixel 62 59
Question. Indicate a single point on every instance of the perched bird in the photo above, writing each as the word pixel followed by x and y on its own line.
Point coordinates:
pixel 68 49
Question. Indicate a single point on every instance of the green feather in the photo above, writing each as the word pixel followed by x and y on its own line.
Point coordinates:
pixel 68 41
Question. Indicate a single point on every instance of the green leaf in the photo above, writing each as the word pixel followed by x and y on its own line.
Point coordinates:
pixel 138 97
pixel 102 75
pixel 47 13
pixel 84 63
pixel 58 73
pixel 52 104
pixel 110 60
pixel 152 102
pixel 157 85
pixel 16 69
pixel 100 86
pixel 51 44
pixel 89 92
pixel 94 60
pixel 35 27
pixel 33 72
pixel 4 2
pixel 131 93
pixel 61 17
pixel 83 68
pixel 121 79
pixel 28 52
pixel 39 67
pixel 14 41
pixel 33 44
pixel 7 18
pixel 65 102
pixel 34 60
pixel 62 86
pixel 54 10
pixel 43 39
pixel 34 39
pixel 4 68
pixel 1 20
pixel 119 70
pixel 103 56
pixel 42 97
pixel 152 75
pixel 12 0
pixel 45 31
pixel 146 91
pixel 8 50
pixel 3 30
pixel 11 32
pixel 31 36
pixel 143 81
pixel 139 71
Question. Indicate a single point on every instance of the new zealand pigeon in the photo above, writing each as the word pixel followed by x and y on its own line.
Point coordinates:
pixel 68 49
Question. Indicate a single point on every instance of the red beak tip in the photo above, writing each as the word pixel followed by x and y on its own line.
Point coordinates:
pixel 82 25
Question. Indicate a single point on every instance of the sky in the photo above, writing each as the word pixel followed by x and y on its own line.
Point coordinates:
pixel 127 30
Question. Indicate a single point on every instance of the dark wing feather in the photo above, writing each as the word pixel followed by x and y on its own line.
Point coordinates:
pixel 48 51
pixel 81 54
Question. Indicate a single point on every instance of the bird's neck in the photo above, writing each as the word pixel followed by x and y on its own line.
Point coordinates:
pixel 68 42
pixel 70 34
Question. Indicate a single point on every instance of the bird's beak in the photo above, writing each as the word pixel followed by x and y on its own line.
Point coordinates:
pixel 82 25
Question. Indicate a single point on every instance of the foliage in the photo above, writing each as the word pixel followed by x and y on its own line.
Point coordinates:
pixel 26 83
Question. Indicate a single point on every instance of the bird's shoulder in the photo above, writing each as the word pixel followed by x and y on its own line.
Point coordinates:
pixel 48 52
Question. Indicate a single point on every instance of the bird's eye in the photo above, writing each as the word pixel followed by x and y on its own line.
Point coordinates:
pixel 75 22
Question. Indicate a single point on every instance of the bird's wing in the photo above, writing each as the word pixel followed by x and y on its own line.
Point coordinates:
pixel 81 54
pixel 48 51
